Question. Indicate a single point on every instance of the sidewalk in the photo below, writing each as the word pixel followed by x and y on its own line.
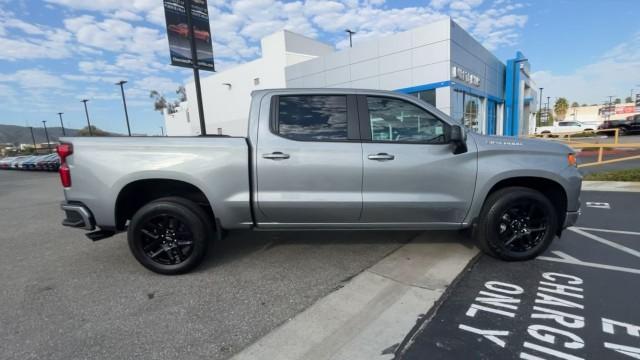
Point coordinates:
pixel 628 186
pixel 370 316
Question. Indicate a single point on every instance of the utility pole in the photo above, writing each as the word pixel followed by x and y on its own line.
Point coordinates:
pixel 44 123
pixel 126 114
pixel 196 71
pixel 62 124
pixel 86 112
pixel 33 138
pixel 350 35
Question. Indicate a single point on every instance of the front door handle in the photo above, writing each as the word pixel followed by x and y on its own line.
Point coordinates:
pixel 276 155
pixel 381 157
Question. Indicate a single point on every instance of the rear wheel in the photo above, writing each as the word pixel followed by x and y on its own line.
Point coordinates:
pixel 169 235
pixel 516 223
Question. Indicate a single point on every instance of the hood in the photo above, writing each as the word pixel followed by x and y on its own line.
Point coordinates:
pixel 508 143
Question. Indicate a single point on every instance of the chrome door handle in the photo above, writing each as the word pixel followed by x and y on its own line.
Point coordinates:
pixel 277 155
pixel 381 156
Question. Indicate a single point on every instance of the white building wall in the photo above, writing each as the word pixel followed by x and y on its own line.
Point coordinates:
pixel 227 95
pixel 416 57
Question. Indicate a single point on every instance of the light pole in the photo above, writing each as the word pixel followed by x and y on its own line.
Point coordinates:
pixel 162 130
pixel 86 112
pixel 540 110
pixel 33 138
pixel 124 102
pixel 350 35
pixel 44 123
pixel 62 124
pixel 609 107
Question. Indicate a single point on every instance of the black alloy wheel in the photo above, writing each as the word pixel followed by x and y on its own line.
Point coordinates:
pixel 523 226
pixel 516 223
pixel 170 235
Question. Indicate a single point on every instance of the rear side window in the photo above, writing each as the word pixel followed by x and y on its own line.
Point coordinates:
pixel 312 117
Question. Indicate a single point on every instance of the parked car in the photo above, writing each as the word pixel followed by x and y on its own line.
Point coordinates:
pixel 629 125
pixel 312 160
pixel 15 163
pixel 564 127
pixel 30 163
pixel 6 162
pixel 50 163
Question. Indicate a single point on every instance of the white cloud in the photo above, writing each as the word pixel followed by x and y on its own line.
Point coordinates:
pixel 614 73
pixel 33 79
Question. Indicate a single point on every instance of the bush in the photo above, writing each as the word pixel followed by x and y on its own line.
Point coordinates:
pixel 620 175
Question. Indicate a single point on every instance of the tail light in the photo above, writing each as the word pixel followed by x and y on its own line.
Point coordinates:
pixel 63 151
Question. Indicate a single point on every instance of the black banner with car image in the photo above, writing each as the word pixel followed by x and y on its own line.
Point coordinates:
pixel 178 33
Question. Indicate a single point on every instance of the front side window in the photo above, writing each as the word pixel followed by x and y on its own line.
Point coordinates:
pixel 395 120
pixel 313 117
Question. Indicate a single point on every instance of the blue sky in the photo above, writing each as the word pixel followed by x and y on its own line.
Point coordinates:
pixel 53 53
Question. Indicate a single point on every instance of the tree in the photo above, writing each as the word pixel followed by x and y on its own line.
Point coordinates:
pixel 628 99
pixel 549 118
pixel 560 107
pixel 182 94
pixel 575 104
pixel 617 101
pixel 160 103
pixel 94 131
pixel 585 105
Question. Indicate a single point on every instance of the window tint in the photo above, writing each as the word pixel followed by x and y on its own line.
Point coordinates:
pixel 399 121
pixel 313 117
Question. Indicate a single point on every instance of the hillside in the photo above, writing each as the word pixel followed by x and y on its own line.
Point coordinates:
pixel 21 134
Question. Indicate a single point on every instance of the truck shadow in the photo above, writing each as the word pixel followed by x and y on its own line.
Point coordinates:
pixel 242 245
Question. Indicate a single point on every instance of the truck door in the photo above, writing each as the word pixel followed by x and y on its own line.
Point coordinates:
pixel 411 175
pixel 309 161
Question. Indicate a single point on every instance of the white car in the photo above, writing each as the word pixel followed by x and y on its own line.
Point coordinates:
pixel 565 127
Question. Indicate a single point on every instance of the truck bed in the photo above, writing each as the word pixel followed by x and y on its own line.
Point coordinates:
pixel 219 166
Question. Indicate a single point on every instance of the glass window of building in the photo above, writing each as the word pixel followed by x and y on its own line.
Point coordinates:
pixel 427 96
pixel 312 118
pixel 472 114
pixel 395 120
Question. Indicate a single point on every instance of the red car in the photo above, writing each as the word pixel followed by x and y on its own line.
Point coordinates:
pixel 183 30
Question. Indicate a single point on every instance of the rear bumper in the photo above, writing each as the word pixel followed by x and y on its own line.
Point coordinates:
pixel 571 218
pixel 77 216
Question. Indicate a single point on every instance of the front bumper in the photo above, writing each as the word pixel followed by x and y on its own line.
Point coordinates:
pixel 571 218
pixel 77 216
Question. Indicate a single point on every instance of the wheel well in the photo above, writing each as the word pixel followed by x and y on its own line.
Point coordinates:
pixel 139 193
pixel 549 188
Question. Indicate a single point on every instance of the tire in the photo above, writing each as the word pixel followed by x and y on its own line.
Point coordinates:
pixel 170 235
pixel 503 230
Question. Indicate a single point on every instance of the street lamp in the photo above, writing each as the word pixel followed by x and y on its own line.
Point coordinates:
pixel 44 123
pixel 162 130
pixel 540 110
pixel 86 112
pixel 350 35
pixel 124 102
pixel 62 124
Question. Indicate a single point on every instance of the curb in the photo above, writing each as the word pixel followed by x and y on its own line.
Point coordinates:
pixel 372 314
pixel 622 186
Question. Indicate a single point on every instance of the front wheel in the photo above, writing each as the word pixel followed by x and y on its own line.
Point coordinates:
pixel 516 223
pixel 169 236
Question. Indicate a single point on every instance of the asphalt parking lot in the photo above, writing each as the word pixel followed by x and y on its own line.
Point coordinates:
pixel 579 301
pixel 64 297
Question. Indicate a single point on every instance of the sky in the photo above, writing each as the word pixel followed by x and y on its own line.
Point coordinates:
pixel 54 53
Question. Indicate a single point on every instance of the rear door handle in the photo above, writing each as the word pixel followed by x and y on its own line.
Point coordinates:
pixel 381 157
pixel 276 155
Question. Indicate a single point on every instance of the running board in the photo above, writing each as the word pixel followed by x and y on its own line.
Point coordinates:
pixel 100 234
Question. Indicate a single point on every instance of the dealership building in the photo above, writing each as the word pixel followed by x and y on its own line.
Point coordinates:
pixel 439 63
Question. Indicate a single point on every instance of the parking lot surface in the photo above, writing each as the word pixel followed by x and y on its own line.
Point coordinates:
pixel 579 301
pixel 64 297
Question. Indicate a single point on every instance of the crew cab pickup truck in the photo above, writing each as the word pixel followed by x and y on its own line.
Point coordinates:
pixel 318 159
pixel 565 127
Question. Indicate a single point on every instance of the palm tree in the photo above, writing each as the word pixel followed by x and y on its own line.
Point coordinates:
pixel 561 107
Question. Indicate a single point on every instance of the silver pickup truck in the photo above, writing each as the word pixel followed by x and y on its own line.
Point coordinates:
pixel 320 159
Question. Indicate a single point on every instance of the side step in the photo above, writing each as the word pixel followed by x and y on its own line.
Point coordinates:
pixel 100 234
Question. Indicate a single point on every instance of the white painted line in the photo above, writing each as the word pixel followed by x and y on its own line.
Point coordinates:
pixel 598 205
pixel 606 242
pixel 609 231
pixel 564 258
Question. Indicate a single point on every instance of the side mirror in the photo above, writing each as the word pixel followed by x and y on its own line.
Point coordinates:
pixel 458 137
